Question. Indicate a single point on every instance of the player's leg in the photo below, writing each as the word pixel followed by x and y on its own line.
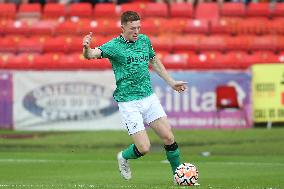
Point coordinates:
pixel 133 121
pixel 156 117
pixel 140 147
pixel 162 128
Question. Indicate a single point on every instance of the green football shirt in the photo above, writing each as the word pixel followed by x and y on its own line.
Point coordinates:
pixel 130 61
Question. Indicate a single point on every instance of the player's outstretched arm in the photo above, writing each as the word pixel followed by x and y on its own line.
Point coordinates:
pixel 160 69
pixel 88 52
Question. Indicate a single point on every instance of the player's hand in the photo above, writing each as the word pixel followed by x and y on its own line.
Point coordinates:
pixel 179 86
pixel 87 40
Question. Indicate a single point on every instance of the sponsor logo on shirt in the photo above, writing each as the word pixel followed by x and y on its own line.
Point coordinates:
pixel 136 59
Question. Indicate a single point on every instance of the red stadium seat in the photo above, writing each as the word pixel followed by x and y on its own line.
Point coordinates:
pixel 74 44
pixel 183 10
pixel 17 28
pixel 223 61
pixel 173 26
pixel 227 98
pixel 233 60
pixel 30 45
pixel 161 54
pixel 105 27
pixel 238 43
pixel 281 57
pixel 30 10
pixel 262 57
pixel 67 27
pixel 202 61
pixel 80 9
pixel 186 43
pixel 53 11
pixel 6 45
pixel 105 10
pixel 56 44
pixel 192 61
pixel 207 11
pixel 239 58
pixel 102 27
pixel 219 26
pixel 7 10
pixel 43 27
pixel 213 42
pixel 196 26
pixel 87 25
pixel 277 26
pixel 258 9
pixel 209 60
pixel 22 61
pixel 230 9
pixel 101 64
pixel 175 61
pixel 153 26
pixel 156 10
pixel 9 43
pixel 138 7
pixel 278 10
pixel 77 61
pixel 162 43
pixel 99 40
pixel 3 25
pixel 220 60
pixel 110 27
pixel 270 57
pixel 265 42
pixel 47 61
pixel 232 24
pixel 280 43
pixel 254 25
pixel 4 58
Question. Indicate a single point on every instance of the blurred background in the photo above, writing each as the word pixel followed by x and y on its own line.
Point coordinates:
pixel 231 53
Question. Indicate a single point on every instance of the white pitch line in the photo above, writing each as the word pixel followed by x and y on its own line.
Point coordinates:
pixel 245 163
pixel 63 186
pixel 13 160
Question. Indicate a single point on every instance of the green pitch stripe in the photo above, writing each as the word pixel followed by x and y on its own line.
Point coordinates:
pixel 142 162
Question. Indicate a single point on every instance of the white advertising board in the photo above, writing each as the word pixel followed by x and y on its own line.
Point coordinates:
pixel 65 100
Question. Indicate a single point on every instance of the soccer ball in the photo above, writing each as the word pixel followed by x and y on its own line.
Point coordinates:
pixel 186 174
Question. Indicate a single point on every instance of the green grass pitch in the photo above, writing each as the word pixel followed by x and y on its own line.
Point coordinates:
pixel 239 159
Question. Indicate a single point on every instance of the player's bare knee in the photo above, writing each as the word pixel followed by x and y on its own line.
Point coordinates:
pixel 144 148
pixel 168 139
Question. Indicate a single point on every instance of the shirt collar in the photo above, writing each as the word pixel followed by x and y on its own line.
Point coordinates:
pixel 126 41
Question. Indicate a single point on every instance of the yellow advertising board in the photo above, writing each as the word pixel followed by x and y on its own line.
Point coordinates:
pixel 268 92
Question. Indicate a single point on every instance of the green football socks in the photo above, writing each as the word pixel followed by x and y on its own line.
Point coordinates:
pixel 173 155
pixel 131 152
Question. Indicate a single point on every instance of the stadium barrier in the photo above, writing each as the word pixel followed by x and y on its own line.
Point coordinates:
pixel 82 100
pixel 6 100
pixel 268 93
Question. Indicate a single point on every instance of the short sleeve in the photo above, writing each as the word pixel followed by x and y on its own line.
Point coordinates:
pixel 107 50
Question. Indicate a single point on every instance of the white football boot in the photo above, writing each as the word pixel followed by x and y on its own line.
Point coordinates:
pixel 123 166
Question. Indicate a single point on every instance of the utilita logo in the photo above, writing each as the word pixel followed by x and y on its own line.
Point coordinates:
pixel 70 101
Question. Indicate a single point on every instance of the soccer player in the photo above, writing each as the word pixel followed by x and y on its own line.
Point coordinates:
pixel 130 54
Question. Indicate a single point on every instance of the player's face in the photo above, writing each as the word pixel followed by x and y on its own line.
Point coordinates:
pixel 131 29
